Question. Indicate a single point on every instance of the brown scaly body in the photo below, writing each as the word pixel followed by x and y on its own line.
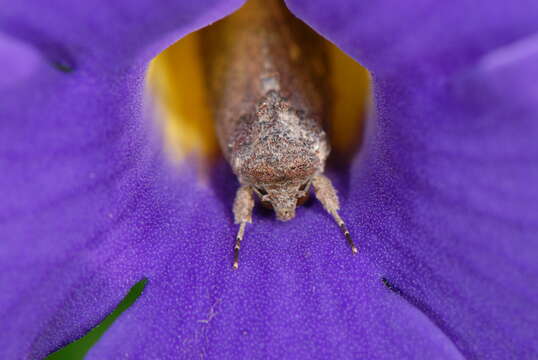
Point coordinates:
pixel 268 98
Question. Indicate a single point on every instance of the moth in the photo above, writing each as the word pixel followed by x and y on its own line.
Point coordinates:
pixel 266 80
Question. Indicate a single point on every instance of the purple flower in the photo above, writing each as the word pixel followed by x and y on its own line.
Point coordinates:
pixel 442 198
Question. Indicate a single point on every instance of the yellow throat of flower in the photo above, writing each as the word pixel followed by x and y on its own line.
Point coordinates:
pixel 176 82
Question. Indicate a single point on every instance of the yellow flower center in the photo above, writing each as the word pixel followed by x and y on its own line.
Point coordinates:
pixel 176 80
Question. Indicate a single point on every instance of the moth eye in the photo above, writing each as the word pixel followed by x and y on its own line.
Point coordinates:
pixel 303 187
pixel 261 190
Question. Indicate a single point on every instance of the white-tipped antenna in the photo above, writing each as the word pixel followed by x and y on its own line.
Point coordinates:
pixel 344 229
pixel 326 194
pixel 243 205
pixel 237 246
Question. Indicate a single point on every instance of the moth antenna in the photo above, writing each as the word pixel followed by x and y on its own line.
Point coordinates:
pixel 243 204
pixel 326 194
pixel 237 246
pixel 344 229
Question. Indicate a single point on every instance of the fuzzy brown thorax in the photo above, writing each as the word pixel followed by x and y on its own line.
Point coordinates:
pixel 277 151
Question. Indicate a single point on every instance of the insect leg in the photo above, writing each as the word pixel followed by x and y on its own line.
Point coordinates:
pixel 243 205
pixel 326 194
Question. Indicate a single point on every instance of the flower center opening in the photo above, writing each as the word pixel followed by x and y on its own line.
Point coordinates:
pixel 177 80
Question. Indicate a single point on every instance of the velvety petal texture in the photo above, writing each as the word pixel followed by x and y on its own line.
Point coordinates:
pixel 82 175
pixel 446 181
pixel 442 198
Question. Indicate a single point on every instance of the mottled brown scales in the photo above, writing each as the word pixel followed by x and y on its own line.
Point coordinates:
pixel 265 74
pixel 277 144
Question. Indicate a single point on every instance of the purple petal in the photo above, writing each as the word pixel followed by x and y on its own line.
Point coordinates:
pixel 441 199
pixel 446 184
pixel 425 36
pixel 82 177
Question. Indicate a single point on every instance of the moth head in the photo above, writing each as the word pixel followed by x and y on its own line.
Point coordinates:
pixel 283 197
